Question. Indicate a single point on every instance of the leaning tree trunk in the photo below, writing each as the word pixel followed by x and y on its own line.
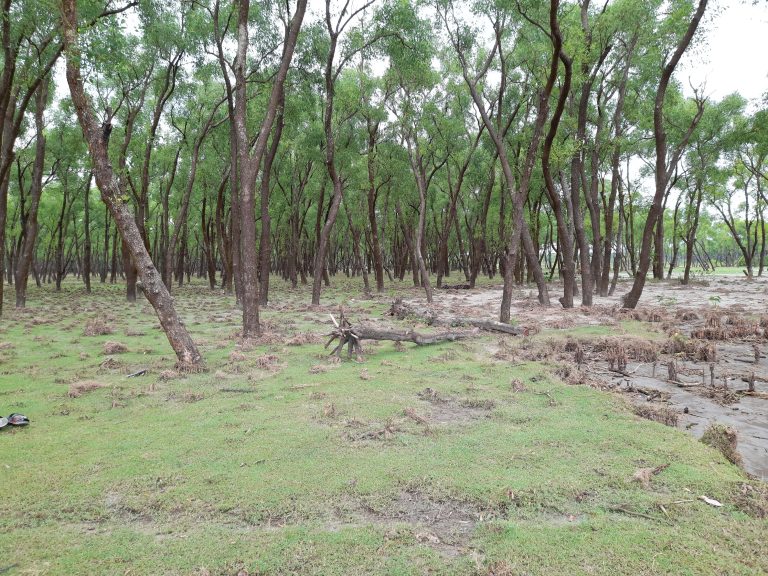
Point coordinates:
pixel 113 197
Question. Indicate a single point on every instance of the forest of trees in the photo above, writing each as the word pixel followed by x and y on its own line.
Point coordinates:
pixel 434 142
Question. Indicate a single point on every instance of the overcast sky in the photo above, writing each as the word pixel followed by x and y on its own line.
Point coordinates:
pixel 734 54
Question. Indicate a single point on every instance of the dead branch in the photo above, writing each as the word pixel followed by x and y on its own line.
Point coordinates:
pixel 402 311
pixel 352 336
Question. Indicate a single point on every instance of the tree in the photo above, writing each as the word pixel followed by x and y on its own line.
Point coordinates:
pixel 664 165
pixel 114 195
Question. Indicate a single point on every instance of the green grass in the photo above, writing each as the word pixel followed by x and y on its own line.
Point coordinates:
pixel 309 470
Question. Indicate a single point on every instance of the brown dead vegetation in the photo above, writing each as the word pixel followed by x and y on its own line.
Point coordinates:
pixel 725 439
pixel 97 327
pixel 661 414
pixel 114 348
pixel 77 389
pixel 302 338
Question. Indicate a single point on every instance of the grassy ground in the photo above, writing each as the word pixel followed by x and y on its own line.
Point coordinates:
pixel 434 460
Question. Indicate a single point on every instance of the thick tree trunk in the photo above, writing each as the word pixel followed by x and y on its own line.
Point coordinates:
pixel 249 162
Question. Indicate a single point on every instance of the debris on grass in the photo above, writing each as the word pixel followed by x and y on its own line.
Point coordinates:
pixel 192 397
pixel 711 501
pixel 518 386
pixel 415 416
pixel 77 389
pixel 644 475
pixel 477 404
pixel 237 356
pixel 97 327
pixel 302 338
pixel 752 499
pixel 114 348
pixel 661 414
pixel 725 439
pixel 269 362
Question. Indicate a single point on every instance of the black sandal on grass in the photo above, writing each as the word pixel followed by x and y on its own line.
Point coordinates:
pixel 18 419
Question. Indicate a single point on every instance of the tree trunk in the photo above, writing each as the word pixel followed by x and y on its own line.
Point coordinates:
pixel 27 252
pixel 113 196
pixel 87 239
pixel 662 168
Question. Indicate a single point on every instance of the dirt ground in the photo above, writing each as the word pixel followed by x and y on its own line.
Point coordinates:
pixel 714 332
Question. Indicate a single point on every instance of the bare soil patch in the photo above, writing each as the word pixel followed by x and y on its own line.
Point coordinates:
pixel 705 365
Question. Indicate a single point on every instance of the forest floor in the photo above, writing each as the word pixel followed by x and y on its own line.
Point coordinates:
pixel 495 455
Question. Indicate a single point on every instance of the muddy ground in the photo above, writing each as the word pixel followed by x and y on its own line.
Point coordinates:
pixel 714 333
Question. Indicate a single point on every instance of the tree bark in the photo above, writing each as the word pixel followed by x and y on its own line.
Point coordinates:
pixel 115 198
pixel 662 170
pixel 27 252
pixel 249 162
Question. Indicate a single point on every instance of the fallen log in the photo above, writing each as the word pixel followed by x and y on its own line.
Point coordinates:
pixel 352 336
pixel 402 311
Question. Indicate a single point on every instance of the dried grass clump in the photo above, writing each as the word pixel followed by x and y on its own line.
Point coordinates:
pixel 192 397
pixel 691 349
pixel 710 333
pixel 77 389
pixel 168 375
pixel 237 356
pixel 302 338
pixel 660 414
pixel 269 362
pixel 725 439
pixel 97 327
pixel 616 356
pixel 114 348
pixel 687 315
pixel 477 404
pixel 713 320
pixel 742 328
pixel 752 500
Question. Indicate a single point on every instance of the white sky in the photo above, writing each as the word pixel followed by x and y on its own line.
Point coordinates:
pixel 732 57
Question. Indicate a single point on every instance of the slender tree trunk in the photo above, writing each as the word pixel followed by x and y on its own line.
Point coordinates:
pixel 662 168
pixel 87 239
pixel 111 193
pixel 27 252
pixel 265 249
